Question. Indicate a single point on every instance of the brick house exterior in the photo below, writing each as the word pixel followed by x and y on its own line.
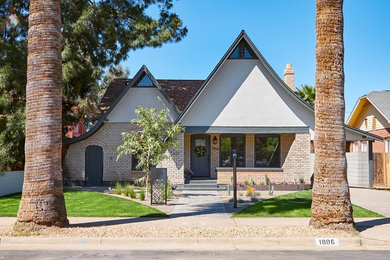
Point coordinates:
pixel 242 105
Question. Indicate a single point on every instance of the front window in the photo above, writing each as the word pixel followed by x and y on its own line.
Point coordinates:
pixel 267 150
pixel 228 143
pixel 364 146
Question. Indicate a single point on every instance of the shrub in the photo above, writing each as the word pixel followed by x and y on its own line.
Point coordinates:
pixel 142 194
pixel 246 182
pixel 257 193
pixel 301 180
pixel 250 191
pixel 262 183
pixel 240 194
pixel 140 182
pixel 169 190
pixel 132 193
pixel 126 190
pixel 118 188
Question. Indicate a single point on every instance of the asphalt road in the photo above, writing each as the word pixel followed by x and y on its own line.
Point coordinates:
pixel 172 255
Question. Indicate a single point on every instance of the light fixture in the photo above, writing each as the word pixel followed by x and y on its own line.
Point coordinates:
pixel 215 141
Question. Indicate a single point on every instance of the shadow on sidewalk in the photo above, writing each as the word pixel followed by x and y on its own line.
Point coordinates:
pixel 363 225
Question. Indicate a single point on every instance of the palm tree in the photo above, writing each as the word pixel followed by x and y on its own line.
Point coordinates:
pixel 307 93
pixel 42 199
pixel 331 206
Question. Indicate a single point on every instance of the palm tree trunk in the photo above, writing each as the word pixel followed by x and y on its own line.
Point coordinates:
pixel 42 199
pixel 331 206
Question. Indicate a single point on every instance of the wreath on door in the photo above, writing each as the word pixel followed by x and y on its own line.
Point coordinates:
pixel 200 151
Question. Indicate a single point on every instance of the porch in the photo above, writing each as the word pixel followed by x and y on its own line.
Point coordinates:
pixel 280 156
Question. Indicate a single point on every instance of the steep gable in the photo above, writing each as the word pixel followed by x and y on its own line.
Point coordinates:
pixel 244 91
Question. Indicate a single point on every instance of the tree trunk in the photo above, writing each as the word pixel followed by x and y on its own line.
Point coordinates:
pixel 42 199
pixel 331 206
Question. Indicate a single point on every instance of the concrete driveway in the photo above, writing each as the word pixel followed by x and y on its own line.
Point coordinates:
pixel 375 200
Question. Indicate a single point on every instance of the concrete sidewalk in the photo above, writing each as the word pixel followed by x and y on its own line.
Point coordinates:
pixel 375 233
pixel 374 200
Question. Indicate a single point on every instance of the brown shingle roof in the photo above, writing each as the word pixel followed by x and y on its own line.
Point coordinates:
pixel 178 90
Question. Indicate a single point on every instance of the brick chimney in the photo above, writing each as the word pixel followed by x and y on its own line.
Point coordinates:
pixel 289 76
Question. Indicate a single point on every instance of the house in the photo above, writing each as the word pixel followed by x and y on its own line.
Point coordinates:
pixel 372 114
pixel 243 104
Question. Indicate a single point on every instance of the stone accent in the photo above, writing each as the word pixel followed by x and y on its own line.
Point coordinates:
pixel 109 138
pixel 214 157
pixel 250 150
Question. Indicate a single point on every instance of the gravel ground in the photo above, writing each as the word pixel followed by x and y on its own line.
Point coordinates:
pixel 130 231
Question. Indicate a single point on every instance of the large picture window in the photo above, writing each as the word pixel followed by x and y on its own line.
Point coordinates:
pixel 267 150
pixel 228 143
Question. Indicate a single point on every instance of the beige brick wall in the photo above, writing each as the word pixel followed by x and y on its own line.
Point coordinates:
pixel 109 138
pixel 214 156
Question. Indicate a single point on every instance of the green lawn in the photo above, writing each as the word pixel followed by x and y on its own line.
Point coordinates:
pixel 88 204
pixel 292 205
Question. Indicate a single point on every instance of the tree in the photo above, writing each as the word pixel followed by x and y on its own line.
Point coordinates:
pixel 307 93
pixel 150 144
pixel 95 35
pixel 331 206
pixel 42 198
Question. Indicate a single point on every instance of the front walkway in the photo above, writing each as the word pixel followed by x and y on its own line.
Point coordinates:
pixel 200 203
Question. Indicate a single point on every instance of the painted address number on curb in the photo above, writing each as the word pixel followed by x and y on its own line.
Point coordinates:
pixel 327 241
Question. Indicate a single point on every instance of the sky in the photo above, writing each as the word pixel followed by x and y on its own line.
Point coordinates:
pixel 284 32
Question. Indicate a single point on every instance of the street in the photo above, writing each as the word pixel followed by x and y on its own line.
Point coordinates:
pixel 180 254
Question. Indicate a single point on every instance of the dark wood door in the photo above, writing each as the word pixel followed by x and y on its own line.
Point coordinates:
pixel 200 155
pixel 93 165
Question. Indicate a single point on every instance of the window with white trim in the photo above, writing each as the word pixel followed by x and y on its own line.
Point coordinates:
pixel 355 146
pixel 364 146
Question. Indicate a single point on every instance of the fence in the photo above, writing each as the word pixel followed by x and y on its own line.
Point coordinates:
pixel 11 182
pixel 381 170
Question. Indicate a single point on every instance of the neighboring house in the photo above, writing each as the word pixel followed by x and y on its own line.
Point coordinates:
pixel 243 104
pixel 372 114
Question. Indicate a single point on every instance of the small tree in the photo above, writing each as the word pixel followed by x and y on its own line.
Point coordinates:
pixel 150 143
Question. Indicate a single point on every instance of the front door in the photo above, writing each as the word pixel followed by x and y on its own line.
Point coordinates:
pixel 93 165
pixel 200 155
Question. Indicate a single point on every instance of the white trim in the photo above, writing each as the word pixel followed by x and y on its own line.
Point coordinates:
pixel 356 146
pixel 387 145
pixel 364 146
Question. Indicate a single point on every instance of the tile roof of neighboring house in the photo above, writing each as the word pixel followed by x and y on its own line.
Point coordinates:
pixel 180 91
pixel 381 100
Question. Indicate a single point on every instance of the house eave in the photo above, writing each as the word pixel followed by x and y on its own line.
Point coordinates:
pixel 246 129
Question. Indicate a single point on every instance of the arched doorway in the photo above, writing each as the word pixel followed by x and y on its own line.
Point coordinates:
pixel 93 165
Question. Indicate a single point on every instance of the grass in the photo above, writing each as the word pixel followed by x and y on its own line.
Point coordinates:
pixel 292 205
pixel 88 204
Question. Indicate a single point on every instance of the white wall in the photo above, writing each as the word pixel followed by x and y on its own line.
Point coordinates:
pixel 146 97
pixel 357 168
pixel 11 182
pixel 242 93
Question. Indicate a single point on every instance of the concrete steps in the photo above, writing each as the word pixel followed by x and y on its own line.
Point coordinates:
pixel 206 184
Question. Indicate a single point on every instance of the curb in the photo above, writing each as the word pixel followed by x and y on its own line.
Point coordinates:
pixel 185 243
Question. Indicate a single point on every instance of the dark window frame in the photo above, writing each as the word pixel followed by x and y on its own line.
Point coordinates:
pixel 280 150
pixel 220 144
pixel 245 45
pixel 134 163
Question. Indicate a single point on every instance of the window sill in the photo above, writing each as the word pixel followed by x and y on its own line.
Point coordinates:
pixel 262 169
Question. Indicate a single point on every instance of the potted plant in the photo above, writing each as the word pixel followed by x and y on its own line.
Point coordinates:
pixel 187 175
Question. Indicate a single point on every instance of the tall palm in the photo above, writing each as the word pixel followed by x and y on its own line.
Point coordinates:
pixel 331 206
pixel 307 93
pixel 42 199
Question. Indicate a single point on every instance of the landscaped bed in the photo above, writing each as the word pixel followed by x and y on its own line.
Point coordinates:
pixel 292 205
pixel 88 204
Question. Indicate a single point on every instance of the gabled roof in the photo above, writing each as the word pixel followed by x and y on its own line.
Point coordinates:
pixel 243 37
pixel 379 99
pixel 107 105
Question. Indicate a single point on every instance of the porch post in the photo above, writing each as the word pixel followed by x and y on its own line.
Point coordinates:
pixel 370 166
pixel 234 179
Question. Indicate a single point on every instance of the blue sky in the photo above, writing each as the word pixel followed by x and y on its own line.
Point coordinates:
pixel 284 32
